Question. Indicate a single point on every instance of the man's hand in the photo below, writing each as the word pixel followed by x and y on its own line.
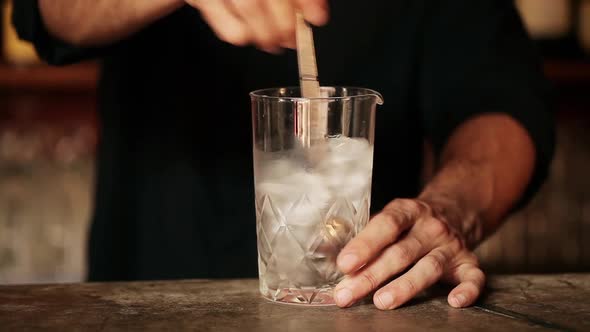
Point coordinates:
pixel 268 24
pixel 410 232
pixel 484 169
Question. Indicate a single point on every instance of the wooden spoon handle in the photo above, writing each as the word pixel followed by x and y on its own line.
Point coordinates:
pixel 308 78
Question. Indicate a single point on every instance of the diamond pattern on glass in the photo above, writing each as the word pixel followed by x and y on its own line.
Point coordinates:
pixel 303 220
pixel 362 217
pixel 270 219
pixel 298 248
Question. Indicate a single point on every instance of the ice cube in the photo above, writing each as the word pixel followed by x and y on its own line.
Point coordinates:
pixel 334 236
pixel 304 249
pixel 287 266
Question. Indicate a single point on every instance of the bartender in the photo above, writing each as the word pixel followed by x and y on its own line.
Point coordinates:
pixel 174 187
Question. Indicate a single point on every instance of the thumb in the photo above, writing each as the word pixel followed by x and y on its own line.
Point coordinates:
pixel 315 12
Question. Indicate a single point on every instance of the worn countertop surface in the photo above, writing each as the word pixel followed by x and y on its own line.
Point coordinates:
pixel 511 303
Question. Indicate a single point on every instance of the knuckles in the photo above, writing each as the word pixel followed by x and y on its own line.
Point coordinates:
pixel 435 264
pixel 246 7
pixel 455 245
pixel 391 220
pixel 436 228
pixel 431 223
pixel 415 206
pixel 404 255
pixel 235 37
pixel 370 279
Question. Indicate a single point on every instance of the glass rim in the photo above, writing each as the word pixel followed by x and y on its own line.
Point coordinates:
pixel 363 92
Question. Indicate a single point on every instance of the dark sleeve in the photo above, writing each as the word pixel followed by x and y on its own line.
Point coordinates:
pixel 477 58
pixel 29 25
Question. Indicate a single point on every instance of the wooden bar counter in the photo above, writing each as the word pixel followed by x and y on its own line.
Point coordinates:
pixel 511 303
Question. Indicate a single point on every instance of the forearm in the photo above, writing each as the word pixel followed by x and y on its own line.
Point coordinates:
pixel 483 170
pixel 100 22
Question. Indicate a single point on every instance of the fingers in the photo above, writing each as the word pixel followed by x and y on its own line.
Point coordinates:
pixel 471 281
pixel 268 24
pixel 225 24
pixel 262 30
pixel 380 252
pixel 424 274
pixel 314 11
pixel 392 261
pixel 282 14
pixel 383 230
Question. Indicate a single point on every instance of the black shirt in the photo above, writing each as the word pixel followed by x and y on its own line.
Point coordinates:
pixel 174 193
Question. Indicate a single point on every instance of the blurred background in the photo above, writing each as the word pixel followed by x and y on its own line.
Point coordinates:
pixel 48 136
